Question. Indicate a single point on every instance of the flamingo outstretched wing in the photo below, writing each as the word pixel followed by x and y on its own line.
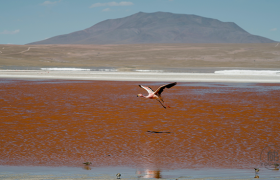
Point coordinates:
pixel 150 91
pixel 161 88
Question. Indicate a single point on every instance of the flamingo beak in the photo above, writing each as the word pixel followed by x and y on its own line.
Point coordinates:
pixel 137 95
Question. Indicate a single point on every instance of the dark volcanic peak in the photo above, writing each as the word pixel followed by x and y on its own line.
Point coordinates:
pixel 158 27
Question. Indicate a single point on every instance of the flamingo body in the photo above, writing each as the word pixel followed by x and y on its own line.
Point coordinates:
pixel 156 94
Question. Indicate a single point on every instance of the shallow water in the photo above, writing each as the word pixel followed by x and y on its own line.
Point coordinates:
pixel 31 172
pixel 66 123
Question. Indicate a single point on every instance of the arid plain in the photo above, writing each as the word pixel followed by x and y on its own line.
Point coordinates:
pixel 182 57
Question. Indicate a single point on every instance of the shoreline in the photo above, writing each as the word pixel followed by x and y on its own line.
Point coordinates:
pixel 42 172
pixel 139 76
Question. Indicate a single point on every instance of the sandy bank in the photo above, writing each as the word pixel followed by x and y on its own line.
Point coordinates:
pixel 138 76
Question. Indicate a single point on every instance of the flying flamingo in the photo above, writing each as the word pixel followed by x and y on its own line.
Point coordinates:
pixel 157 94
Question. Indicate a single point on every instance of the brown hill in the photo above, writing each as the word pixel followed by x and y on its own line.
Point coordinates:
pixel 159 27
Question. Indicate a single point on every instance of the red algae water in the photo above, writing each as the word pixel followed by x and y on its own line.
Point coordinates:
pixel 66 123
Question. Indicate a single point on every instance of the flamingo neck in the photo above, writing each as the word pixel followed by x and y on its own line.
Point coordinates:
pixel 141 95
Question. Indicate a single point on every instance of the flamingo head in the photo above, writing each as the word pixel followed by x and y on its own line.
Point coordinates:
pixel 140 95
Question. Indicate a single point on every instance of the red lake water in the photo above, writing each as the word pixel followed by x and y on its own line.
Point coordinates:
pixel 66 123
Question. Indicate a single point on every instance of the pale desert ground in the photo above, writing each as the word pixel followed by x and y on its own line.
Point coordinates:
pixel 177 62
pixel 171 57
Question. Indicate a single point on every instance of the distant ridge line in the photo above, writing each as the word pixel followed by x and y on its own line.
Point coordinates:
pixel 158 27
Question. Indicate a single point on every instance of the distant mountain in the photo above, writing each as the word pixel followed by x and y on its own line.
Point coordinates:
pixel 158 27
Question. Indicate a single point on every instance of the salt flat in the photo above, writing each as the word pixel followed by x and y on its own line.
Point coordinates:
pixel 140 76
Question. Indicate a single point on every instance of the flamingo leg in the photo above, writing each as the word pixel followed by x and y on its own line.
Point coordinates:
pixel 166 105
pixel 161 104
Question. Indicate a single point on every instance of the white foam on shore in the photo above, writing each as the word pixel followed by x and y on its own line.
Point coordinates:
pixel 64 69
pixel 248 72
pixel 140 70
pixel 107 70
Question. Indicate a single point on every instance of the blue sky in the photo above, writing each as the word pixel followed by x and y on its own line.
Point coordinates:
pixel 25 21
